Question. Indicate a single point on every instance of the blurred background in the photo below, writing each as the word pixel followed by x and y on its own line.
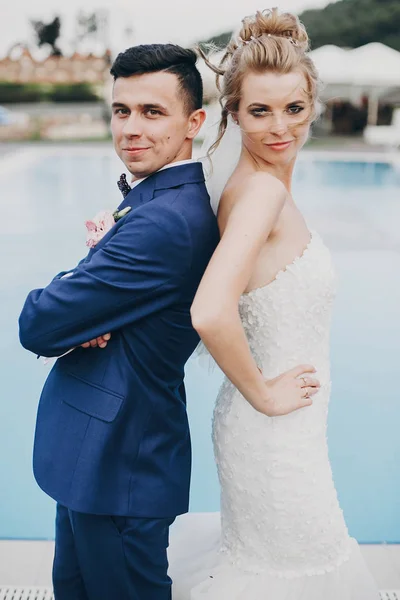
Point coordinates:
pixel 58 168
pixel 54 62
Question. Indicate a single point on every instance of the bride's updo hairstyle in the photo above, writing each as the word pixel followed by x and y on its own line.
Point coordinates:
pixel 267 41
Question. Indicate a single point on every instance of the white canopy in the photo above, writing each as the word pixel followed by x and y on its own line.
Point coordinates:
pixel 376 65
pixel 372 65
pixel 332 64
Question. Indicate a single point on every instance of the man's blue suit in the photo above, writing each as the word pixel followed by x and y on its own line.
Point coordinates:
pixel 112 436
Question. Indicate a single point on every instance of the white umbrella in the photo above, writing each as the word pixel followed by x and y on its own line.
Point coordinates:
pixel 332 64
pixel 375 65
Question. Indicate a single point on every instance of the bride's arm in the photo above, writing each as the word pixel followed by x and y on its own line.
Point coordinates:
pixel 215 313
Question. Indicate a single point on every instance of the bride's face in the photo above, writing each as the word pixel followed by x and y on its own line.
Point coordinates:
pixel 273 115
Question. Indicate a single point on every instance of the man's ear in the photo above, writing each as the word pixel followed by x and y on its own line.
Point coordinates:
pixel 196 120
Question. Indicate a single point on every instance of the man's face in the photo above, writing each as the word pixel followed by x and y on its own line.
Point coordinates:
pixel 150 124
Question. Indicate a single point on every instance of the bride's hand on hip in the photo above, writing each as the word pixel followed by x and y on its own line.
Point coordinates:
pixel 290 391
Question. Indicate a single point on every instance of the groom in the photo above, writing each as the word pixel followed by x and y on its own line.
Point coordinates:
pixel 112 443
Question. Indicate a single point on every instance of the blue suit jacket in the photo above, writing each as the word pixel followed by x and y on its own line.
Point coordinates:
pixel 112 433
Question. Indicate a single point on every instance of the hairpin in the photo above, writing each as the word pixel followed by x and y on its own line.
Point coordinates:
pixel 243 42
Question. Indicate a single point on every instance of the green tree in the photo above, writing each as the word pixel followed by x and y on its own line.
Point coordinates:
pixel 347 23
pixel 353 23
pixel 48 33
pixel 87 25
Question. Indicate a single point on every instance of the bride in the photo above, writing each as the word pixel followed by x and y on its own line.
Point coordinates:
pixel 262 309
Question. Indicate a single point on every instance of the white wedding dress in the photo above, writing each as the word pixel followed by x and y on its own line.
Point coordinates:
pixel 281 534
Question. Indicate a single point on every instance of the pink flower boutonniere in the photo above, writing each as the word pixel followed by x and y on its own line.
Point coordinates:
pixel 101 224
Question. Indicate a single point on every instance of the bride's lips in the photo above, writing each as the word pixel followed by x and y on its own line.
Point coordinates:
pixel 279 145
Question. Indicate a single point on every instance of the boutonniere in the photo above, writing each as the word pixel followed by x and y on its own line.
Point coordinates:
pixel 101 224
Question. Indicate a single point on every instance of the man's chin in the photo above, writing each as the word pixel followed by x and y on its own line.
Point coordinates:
pixel 138 174
pixel 139 170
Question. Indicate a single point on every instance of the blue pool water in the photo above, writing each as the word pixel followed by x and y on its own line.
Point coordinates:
pixel 356 208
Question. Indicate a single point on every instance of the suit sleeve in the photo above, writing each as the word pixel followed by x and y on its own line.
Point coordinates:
pixel 68 273
pixel 139 271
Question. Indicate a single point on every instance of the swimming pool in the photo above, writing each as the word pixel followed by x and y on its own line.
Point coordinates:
pixel 355 205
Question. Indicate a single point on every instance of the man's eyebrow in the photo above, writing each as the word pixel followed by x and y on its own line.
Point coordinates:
pixel 148 105
pixel 154 105
pixel 118 105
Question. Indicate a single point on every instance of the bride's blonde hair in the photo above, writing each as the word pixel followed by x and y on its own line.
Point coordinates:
pixel 267 41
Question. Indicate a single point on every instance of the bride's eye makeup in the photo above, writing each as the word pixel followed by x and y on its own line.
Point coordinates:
pixel 294 109
pixel 260 110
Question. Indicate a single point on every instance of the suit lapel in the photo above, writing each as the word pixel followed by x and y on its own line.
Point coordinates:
pixel 144 191
pixel 141 193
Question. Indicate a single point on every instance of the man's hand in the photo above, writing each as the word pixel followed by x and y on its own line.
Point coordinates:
pixel 290 391
pixel 101 341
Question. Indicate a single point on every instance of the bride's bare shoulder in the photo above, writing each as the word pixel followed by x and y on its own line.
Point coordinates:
pixel 252 190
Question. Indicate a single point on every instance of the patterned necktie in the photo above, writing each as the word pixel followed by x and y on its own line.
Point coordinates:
pixel 123 185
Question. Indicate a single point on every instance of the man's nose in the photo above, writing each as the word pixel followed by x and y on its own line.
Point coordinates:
pixel 133 126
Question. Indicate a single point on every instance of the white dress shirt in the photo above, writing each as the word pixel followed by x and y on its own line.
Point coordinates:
pixel 178 163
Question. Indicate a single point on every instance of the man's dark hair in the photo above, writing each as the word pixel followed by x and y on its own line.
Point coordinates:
pixel 150 58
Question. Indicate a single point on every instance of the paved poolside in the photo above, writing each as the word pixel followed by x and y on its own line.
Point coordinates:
pixel 28 563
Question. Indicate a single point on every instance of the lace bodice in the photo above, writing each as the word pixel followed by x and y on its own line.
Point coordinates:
pixel 287 322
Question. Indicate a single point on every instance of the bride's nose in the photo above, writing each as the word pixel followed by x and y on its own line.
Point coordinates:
pixel 278 125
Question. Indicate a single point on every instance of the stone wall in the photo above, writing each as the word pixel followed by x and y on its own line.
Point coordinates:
pixel 55 69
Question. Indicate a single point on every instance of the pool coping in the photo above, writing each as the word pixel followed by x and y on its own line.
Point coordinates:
pixel 29 563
